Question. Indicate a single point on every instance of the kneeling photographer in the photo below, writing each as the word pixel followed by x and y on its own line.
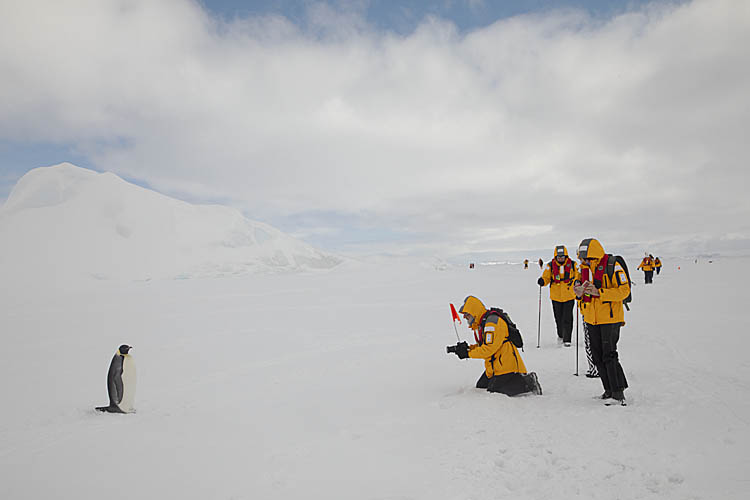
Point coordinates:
pixel 497 337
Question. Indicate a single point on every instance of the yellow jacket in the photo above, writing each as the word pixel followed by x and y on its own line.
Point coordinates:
pixel 500 354
pixel 657 262
pixel 607 308
pixel 647 264
pixel 560 290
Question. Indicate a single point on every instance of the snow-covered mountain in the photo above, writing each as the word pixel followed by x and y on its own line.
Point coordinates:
pixel 64 222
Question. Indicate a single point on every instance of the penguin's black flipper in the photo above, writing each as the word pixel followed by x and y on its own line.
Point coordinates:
pixel 114 381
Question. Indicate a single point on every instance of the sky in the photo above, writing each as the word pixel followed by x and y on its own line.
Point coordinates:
pixel 457 128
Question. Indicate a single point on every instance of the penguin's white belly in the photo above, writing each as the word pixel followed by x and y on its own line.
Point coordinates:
pixel 128 385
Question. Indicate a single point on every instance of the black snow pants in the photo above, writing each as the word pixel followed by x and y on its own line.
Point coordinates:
pixel 649 276
pixel 564 318
pixel 603 340
pixel 511 384
pixel 592 372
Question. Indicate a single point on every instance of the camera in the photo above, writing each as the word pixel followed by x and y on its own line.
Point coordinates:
pixel 453 348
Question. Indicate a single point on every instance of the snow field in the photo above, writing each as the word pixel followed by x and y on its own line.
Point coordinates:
pixel 336 384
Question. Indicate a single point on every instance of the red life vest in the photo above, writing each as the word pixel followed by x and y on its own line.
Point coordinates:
pixel 479 332
pixel 479 337
pixel 568 267
pixel 598 280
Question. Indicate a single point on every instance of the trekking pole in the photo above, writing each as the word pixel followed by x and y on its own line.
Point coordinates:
pixel 539 323
pixel 576 373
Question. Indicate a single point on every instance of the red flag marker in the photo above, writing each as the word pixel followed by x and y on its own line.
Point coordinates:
pixel 455 317
pixel 455 314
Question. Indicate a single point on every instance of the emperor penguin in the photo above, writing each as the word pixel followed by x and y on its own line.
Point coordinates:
pixel 121 382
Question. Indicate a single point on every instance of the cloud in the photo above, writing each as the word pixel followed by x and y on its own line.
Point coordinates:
pixel 630 127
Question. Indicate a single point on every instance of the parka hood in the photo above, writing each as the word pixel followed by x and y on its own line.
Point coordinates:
pixel 590 248
pixel 473 306
pixel 560 250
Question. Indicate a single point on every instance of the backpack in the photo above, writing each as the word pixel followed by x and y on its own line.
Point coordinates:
pixel 611 260
pixel 514 335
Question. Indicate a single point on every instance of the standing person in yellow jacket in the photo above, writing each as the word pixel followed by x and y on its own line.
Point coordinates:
pixel 559 275
pixel 602 295
pixel 657 265
pixel 504 370
pixel 647 264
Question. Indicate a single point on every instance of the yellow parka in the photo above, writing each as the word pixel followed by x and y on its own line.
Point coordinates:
pixel 500 357
pixel 607 308
pixel 647 264
pixel 560 290
pixel 657 262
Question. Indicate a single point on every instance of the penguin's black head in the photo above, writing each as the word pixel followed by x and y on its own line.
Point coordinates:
pixel 124 348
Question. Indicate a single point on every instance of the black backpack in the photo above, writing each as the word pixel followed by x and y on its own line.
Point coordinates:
pixel 611 260
pixel 514 335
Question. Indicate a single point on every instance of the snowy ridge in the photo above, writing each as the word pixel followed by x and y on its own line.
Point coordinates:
pixel 65 222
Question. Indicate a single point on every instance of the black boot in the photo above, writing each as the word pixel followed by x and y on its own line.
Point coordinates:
pixel 532 382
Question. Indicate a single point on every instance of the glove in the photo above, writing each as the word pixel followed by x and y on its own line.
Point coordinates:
pixel 462 350
pixel 578 289
pixel 540 282
pixel 589 288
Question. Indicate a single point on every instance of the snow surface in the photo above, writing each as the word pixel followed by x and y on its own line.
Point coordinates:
pixel 336 384
pixel 64 222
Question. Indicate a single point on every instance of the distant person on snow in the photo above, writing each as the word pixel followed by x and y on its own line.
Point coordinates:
pixel 526 263
pixel 541 263
pixel 504 370
pixel 560 274
pixel 602 295
pixel 647 264
pixel 657 265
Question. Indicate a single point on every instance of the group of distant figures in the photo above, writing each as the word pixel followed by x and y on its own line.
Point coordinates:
pixel 648 265
pixel 526 263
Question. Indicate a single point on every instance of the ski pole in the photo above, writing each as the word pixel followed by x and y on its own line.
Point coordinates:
pixel 539 323
pixel 576 373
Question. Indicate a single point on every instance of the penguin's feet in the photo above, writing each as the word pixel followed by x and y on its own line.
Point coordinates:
pixel 109 409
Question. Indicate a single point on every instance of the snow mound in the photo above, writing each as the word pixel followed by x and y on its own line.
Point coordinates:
pixel 63 222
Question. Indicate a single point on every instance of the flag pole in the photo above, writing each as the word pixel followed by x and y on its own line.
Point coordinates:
pixel 455 317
